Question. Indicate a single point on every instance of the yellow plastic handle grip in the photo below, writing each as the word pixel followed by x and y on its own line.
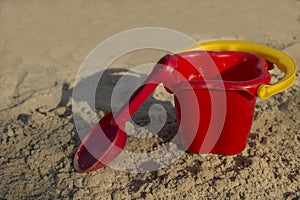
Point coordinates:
pixel 282 61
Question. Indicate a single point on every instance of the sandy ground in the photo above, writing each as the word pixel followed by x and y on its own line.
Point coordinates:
pixel 43 43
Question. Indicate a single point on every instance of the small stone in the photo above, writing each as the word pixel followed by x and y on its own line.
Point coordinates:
pixel 21 145
pixel 70 149
pixel 43 170
pixel 25 152
pixel 61 178
pixel 78 183
pixel 80 193
pixel 101 114
pixel 36 118
pixel 43 110
pixel 60 111
pixel 65 139
pixel 10 132
pixel 69 127
pixel 219 186
pixel 50 114
pixel 57 191
pixel 19 132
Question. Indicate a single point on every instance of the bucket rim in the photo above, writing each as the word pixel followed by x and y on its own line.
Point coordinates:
pixel 250 86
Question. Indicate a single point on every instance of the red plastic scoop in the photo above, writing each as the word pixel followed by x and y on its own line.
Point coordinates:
pixel 106 139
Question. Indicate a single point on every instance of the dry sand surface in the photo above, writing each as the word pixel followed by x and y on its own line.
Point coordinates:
pixel 43 43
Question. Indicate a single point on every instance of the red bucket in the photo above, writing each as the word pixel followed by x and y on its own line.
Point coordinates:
pixel 211 76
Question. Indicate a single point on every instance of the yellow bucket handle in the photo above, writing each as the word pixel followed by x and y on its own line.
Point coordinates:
pixel 275 56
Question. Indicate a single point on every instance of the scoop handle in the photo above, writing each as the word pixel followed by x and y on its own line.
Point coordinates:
pixel 275 56
pixel 157 76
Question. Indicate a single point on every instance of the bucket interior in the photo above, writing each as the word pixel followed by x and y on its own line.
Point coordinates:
pixel 226 65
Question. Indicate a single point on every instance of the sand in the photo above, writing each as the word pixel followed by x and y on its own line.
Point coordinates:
pixel 43 43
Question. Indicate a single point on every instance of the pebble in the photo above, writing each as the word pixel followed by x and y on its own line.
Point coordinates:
pixel 36 118
pixel 101 114
pixel 69 127
pixel 65 139
pixel 19 132
pixel 60 111
pixel 43 110
pixel 10 132
pixel 70 149
pixel 20 145
pixel 51 114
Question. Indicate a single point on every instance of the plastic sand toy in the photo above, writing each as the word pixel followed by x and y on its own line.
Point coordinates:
pixel 198 76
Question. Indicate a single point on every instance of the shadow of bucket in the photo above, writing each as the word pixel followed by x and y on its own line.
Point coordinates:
pixel 236 76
